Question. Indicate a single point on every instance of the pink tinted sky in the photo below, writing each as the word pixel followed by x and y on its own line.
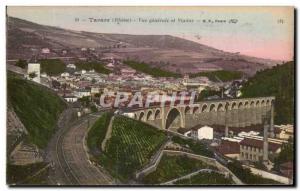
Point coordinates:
pixel 259 31
pixel 273 49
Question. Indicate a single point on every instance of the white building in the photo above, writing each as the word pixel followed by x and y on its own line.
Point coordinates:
pixel 71 99
pixel 34 68
pixel 65 74
pixel 45 50
pixel 129 114
pixel 204 132
pixel 95 90
pixel 71 66
pixel 82 93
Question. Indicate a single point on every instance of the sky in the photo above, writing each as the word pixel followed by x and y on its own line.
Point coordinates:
pixel 265 32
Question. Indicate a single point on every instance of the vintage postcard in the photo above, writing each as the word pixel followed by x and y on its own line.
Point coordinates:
pixel 150 96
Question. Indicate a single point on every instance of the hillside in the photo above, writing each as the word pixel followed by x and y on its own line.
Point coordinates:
pixel 170 53
pixel 37 108
pixel 130 147
pixel 279 82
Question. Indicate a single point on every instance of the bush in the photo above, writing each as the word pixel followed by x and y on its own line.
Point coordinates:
pixel 21 63
pixel 197 147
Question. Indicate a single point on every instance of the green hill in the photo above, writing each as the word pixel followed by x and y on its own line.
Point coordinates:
pixel 37 107
pixel 279 82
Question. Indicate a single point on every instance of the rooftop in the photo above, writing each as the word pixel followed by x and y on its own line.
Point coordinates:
pixel 228 147
pixel 259 144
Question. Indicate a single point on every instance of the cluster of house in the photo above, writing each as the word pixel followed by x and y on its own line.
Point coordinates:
pixel 75 83
pixel 244 144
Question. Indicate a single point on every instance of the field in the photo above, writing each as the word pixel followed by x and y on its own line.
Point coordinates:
pixel 171 167
pixel 130 147
pixel 206 178
pixel 37 107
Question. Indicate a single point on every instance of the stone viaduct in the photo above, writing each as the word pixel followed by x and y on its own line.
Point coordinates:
pixel 230 113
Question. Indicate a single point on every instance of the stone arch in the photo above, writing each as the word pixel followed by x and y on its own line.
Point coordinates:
pixel 135 116
pixel 141 115
pixel 268 102
pixel 195 109
pixel 246 105
pixel 226 106
pixel 240 105
pixel 203 108
pixel 157 114
pixel 252 103
pixel 233 105
pixel 149 115
pixel 262 103
pixel 187 110
pixel 272 101
pixel 212 107
pixel 174 119
pixel 257 103
pixel 220 107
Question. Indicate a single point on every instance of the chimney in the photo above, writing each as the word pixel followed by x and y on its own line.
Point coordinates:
pixel 272 120
pixel 265 144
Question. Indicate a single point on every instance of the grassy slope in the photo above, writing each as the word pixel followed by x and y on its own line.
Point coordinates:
pixel 171 167
pixel 246 176
pixel 206 178
pixel 279 82
pixel 130 148
pixel 37 107
pixel 153 71
pixel 223 75
pixel 97 132
pixel 19 173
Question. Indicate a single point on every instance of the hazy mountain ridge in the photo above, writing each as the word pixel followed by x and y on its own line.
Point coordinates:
pixel 165 51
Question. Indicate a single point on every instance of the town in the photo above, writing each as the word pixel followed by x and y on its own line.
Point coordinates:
pixel 88 108
pixel 83 89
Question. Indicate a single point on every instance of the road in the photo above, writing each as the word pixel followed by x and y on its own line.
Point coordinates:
pixel 68 154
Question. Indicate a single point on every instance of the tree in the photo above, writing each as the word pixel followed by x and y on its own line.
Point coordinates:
pixel 32 75
pixel 85 100
pixel 21 63
pixel 286 154
pixel 94 109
